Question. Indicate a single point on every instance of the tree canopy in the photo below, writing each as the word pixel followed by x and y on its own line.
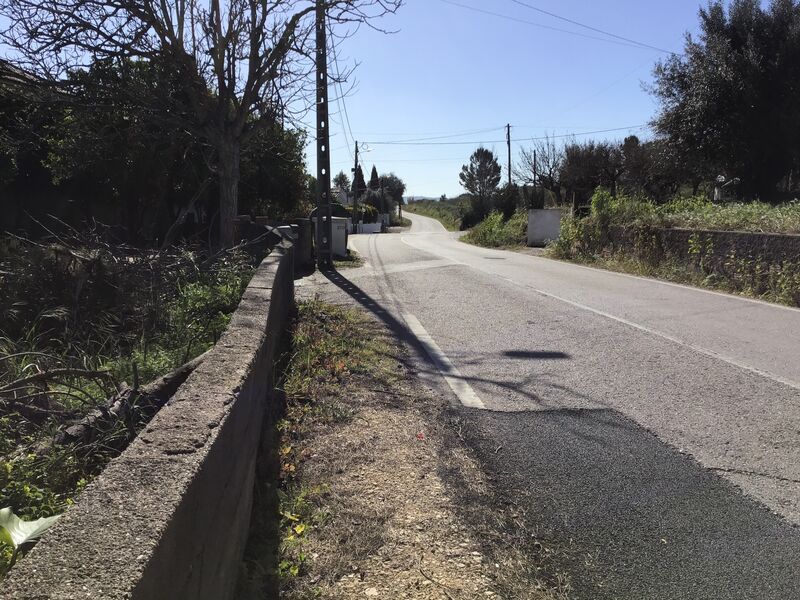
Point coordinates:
pixel 729 104
pixel 240 64
pixel 482 175
pixel 374 181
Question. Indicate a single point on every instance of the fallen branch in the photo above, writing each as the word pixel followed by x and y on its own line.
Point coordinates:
pixel 145 401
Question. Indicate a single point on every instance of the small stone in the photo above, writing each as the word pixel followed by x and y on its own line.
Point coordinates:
pixel 372 592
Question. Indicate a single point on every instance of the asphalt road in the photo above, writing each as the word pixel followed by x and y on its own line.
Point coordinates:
pixel 649 431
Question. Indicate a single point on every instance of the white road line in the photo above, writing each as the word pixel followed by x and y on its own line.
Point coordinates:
pixel 704 351
pixel 466 395
pixel 683 286
pixel 407 267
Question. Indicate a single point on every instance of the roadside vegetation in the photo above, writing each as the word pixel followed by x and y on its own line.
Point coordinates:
pixel 334 349
pixel 588 240
pixel 375 493
pixel 496 232
pixel 447 212
pixel 84 325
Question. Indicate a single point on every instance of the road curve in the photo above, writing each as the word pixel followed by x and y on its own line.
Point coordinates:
pixel 649 430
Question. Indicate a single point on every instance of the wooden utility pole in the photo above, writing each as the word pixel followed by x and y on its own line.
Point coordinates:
pixel 508 141
pixel 324 214
pixel 355 193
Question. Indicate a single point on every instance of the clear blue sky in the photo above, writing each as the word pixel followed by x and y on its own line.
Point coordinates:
pixel 450 70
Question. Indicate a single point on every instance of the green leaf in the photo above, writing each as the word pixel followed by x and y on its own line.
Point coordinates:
pixel 19 532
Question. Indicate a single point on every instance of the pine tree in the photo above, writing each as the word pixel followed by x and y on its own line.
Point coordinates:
pixel 359 186
pixel 374 180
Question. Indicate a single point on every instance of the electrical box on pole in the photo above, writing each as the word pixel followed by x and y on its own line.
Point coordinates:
pixel 324 213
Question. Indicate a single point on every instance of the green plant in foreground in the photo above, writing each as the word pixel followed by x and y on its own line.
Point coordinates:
pixel 16 534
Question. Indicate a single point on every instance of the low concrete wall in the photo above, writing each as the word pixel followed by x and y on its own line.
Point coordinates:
pixel 168 519
pixel 369 227
pixel 715 247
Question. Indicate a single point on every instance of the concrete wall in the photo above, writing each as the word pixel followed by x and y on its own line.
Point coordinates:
pixel 370 227
pixel 168 519
pixel 715 247
pixel 544 225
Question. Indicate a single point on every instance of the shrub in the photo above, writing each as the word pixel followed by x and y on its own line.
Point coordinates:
pixel 571 242
pixel 494 232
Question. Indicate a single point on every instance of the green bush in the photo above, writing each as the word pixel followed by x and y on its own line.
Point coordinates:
pixel 494 232
pixel 621 209
pixel 586 239
pixel 571 242
pixel 447 212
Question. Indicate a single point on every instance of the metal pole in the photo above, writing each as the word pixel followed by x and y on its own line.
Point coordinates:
pixel 324 215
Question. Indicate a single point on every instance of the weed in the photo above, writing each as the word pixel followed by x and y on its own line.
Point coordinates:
pixel 587 240
pixel 495 232
pixel 332 346
pixel 76 321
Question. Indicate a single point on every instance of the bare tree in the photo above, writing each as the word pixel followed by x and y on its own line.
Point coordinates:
pixel 243 63
pixel 541 165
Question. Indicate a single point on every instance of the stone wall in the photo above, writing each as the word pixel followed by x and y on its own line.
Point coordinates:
pixel 168 519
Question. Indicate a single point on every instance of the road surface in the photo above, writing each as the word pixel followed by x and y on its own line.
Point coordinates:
pixel 649 429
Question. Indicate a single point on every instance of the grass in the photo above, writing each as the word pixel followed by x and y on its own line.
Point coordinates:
pixel 495 232
pixel 398 221
pixel 753 216
pixel 780 285
pixel 585 240
pixel 85 319
pixel 352 261
pixel 332 347
pixel 697 212
pixel 447 212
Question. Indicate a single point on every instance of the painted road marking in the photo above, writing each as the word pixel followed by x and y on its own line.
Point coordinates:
pixel 699 349
pixel 466 395
pixel 704 351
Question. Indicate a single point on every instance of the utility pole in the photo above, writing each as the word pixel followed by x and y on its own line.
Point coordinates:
pixel 355 193
pixel 535 175
pixel 324 214
pixel 508 141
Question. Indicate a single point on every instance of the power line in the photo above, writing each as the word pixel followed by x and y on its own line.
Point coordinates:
pixel 590 28
pixel 540 25
pixel 340 97
pixel 444 132
pixel 450 136
pixel 473 142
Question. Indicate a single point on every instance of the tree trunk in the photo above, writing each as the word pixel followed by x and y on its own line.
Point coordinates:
pixel 229 152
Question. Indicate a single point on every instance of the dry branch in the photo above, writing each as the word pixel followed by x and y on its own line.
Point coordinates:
pixel 146 401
